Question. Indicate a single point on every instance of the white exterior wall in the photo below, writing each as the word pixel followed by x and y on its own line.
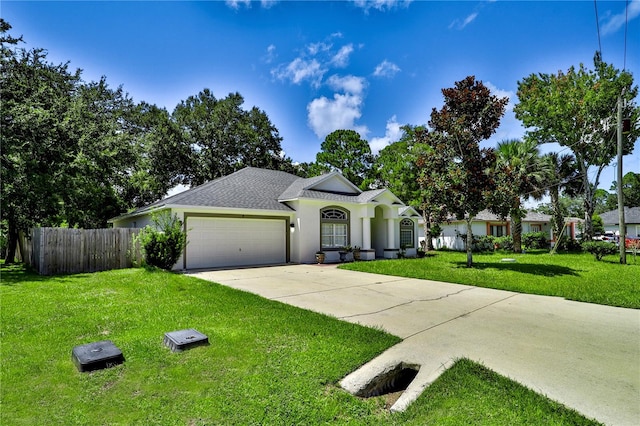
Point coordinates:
pixel 307 231
pixel 304 236
pixel 135 222
pixel 633 230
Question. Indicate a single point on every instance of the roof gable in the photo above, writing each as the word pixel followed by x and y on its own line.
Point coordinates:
pixel 332 182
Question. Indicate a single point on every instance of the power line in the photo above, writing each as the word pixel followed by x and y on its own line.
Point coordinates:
pixel 595 5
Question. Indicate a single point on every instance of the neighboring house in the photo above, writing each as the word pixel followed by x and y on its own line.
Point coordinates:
pixel 487 223
pixel 611 222
pixel 261 217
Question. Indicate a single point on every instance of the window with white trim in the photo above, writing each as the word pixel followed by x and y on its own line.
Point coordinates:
pixel 407 239
pixel 334 228
pixel 536 228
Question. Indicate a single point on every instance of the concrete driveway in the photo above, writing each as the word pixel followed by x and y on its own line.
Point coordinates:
pixel 583 355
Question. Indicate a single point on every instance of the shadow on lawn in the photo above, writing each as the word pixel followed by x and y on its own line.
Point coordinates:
pixel 18 273
pixel 525 268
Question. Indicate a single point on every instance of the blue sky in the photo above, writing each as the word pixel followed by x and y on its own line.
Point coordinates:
pixel 315 67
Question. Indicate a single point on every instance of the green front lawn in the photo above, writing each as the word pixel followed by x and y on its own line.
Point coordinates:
pixel 572 276
pixel 268 363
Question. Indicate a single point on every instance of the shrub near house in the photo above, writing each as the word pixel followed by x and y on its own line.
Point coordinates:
pixel 162 244
pixel 599 249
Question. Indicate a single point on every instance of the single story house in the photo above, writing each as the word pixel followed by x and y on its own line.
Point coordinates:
pixel 611 222
pixel 263 217
pixel 487 223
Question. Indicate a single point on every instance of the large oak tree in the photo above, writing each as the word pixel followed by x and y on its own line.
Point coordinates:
pixel 577 110
pixel 36 96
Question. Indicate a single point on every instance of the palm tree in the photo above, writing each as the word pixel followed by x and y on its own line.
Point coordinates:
pixel 562 177
pixel 524 173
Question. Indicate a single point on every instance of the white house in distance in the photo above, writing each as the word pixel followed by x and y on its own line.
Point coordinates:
pixel 610 221
pixel 263 217
pixel 487 223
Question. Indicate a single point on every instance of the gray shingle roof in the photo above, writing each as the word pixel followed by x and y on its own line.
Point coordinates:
pixel 631 216
pixel 249 188
pixel 257 189
pixel 486 215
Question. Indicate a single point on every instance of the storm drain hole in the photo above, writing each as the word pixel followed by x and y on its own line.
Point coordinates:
pixel 394 381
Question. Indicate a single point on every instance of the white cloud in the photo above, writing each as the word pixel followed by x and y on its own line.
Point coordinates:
pixel 341 59
pixel 500 93
pixel 314 60
pixel 327 115
pixel 392 134
pixel 381 5
pixel 235 4
pixel 615 22
pixel 271 54
pixel 268 4
pixel 386 69
pixel 349 84
pixel 461 24
pixel 299 70
pixel 315 48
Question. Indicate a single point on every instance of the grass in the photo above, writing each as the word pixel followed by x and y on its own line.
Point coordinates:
pixel 268 363
pixel 572 276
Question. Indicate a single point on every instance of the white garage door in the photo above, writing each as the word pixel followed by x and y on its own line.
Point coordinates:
pixel 223 242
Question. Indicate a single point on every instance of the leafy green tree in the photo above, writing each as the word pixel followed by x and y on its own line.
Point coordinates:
pixel 395 167
pixel 456 175
pixel 225 138
pixel 577 110
pixel 598 225
pixel 164 158
pixel 311 169
pixel 630 191
pixel 346 152
pixel 35 96
pixel 102 157
pixel 523 176
pixel 561 177
pixel 601 199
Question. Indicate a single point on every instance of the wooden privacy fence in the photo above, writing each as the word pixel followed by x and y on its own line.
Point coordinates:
pixel 69 251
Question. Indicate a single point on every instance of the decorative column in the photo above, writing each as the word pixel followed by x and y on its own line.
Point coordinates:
pixel 366 233
pixel 391 234
pixel 390 251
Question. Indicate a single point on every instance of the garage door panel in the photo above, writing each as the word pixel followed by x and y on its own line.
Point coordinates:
pixel 222 242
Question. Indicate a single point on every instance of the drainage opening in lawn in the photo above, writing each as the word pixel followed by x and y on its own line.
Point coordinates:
pixel 390 383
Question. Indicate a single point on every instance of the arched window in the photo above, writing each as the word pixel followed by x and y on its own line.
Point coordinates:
pixel 334 228
pixel 406 233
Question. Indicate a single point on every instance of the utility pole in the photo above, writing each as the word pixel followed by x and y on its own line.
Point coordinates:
pixel 621 224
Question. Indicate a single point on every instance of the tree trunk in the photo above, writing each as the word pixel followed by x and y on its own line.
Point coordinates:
pixel 12 243
pixel 516 222
pixel 588 200
pixel 427 232
pixel 588 213
pixel 558 217
pixel 469 243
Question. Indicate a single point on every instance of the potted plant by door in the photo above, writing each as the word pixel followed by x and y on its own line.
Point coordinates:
pixel 356 253
pixel 320 256
pixel 343 252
